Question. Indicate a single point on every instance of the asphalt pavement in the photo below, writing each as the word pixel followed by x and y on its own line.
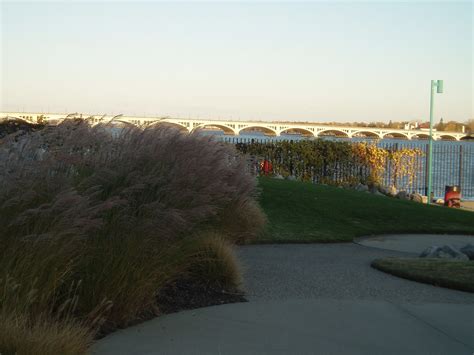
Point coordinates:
pixel 313 299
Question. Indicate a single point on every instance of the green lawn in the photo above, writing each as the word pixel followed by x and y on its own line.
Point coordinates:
pixel 303 212
pixel 454 274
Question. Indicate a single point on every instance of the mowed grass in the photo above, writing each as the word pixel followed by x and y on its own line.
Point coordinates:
pixel 303 212
pixel 453 274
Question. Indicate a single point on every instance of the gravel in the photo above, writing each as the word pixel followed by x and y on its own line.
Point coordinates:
pixel 335 271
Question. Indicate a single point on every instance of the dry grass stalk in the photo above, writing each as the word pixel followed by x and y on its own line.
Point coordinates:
pixel 92 225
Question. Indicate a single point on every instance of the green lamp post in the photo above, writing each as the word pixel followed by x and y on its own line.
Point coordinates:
pixel 438 84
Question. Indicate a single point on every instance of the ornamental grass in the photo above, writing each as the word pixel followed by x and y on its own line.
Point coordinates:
pixel 95 221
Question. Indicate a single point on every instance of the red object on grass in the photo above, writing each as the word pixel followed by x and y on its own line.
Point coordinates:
pixel 266 167
pixel 452 196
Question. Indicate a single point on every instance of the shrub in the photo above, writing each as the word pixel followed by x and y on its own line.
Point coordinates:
pixel 216 262
pixel 17 127
pixel 29 326
pixel 319 160
pixel 112 216
pixel 337 163
pixel 243 222
pixel 20 336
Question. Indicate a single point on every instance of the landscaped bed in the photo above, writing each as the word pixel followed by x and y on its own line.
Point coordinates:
pixel 304 212
pixel 453 274
pixel 100 231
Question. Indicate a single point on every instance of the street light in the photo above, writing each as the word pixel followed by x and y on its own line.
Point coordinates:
pixel 438 84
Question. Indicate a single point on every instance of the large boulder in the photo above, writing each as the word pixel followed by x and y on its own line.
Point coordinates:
pixel 429 252
pixel 468 250
pixel 444 252
pixel 373 189
pixel 361 187
pixel 403 195
pixel 388 190
pixel 384 189
pixel 416 197
pixel 392 191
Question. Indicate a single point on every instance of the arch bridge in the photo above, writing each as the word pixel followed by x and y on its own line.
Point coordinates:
pixel 231 127
pixel 307 130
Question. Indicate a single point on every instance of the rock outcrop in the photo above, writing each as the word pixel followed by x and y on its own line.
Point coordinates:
pixel 444 252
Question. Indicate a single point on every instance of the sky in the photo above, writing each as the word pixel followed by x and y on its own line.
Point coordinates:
pixel 305 61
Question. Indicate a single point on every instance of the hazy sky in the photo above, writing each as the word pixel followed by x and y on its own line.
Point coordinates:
pixel 318 61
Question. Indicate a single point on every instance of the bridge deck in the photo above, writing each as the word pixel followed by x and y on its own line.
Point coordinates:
pixel 235 127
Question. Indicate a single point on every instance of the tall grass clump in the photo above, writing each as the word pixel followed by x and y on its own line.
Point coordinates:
pixel 18 127
pixel 216 264
pixel 94 224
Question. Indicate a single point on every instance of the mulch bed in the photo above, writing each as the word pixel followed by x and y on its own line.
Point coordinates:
pixel 189 294
pixel 181 295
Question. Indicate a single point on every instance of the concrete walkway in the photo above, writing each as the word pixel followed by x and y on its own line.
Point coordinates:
pixel 313 299
pixel 414 243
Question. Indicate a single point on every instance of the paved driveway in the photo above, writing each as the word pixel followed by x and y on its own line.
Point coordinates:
pixel 313 299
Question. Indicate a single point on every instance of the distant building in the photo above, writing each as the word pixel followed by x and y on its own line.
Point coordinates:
pixel 425 126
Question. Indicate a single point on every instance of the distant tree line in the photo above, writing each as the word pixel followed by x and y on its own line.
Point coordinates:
pixel 455 126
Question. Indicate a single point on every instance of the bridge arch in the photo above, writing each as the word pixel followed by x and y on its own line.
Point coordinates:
pixel 125 122
pixel 466 138
pixel 298 130
pixel 366 134
pixel 170 125
pixel 224 128
pixel 332 133
pixel 267 131
pixel 447 137
pixel 396 135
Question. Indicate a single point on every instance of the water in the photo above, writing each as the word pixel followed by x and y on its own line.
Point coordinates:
pixel 453 161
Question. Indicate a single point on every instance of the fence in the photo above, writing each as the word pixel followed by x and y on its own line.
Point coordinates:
pixel 453 164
